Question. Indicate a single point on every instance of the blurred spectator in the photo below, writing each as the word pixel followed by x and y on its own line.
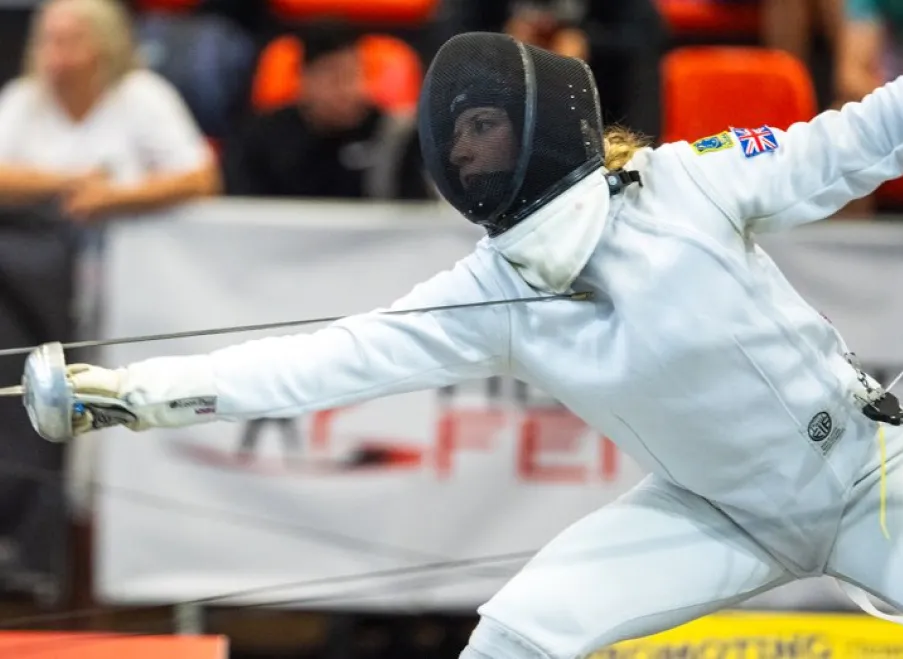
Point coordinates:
pixel 791 24
pixel 208 58
pixel 871 47
pixel 627 41
pixel 86 125
pixel 809 30
pixel 334 142
pixel 623 42
pixel 550 25
pixel 869 53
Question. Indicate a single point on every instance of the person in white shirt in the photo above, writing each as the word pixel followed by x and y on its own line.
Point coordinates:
pixel 764 441
pixel 87 125
pixel 90 130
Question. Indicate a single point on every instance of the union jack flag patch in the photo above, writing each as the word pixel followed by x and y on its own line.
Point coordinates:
pixel 756 141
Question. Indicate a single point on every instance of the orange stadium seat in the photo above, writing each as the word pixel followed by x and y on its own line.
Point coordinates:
pixel 393 71
pixel 695 17
pixel 706 89
pixel 392 68
pixel 277 80
pixel 363 11
pixel 166 5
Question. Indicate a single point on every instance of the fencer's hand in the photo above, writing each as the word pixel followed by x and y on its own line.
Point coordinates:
pixel 100 405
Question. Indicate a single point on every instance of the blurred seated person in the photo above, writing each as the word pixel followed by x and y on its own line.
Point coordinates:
pixel 333 142
pixel 871 47
pixel 809 30
pixel 622 42
pixel 792 25
pixel 550 25
pixel 87 126
pixel 870 52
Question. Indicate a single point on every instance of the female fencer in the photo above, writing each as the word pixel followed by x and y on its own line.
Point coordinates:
pixel 762 437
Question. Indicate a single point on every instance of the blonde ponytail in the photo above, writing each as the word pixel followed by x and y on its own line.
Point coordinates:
pixel 620 146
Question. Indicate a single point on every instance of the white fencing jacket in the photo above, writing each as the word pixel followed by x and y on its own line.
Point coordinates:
pixel 695 356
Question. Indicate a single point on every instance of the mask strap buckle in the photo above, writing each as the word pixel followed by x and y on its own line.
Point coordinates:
pixel 620 179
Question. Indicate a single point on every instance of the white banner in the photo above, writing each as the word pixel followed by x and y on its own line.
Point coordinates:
pixel 480 472
pixel 484 474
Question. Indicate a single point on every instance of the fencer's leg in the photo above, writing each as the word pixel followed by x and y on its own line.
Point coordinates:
pixel 862 555
pixel 652 560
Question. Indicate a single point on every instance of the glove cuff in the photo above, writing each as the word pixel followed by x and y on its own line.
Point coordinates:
pixel 170 391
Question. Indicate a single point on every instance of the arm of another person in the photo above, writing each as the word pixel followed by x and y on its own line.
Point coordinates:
pixel 810 171
pixel 858 59
pixel 23 185
pixel 360 358
pixel 182 164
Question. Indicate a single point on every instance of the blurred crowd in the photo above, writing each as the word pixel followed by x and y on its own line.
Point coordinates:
pixel 121 107
pixel 112 108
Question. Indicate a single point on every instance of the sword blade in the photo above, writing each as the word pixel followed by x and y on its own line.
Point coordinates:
pixel 237 329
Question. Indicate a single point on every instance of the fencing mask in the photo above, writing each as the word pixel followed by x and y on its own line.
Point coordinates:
pixel 505 127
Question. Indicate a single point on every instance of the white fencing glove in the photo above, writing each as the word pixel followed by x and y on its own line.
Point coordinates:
pixel 99 406
pixel 163 392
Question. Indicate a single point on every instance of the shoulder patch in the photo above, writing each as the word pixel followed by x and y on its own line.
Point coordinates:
pixel 756 141
pixel 714 143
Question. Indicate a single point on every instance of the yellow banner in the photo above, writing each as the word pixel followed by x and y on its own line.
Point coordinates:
pixel 759 636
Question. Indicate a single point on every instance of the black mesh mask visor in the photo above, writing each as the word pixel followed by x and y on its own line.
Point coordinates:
pixel 505 127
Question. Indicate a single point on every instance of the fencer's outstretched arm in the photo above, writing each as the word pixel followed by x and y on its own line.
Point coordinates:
pixel 818 166
pixel 362 357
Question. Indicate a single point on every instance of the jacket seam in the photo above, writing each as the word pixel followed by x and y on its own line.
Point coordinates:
pixel 708 190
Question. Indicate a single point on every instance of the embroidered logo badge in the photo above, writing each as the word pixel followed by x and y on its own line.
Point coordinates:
pixel 820 427
pixel 201 405
pixel 823 431
pixel 756 141
pixel 714 143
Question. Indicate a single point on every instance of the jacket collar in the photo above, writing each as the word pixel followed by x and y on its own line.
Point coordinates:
pixel 550 248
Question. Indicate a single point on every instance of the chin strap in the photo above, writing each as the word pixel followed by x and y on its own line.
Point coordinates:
pixel 620 179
